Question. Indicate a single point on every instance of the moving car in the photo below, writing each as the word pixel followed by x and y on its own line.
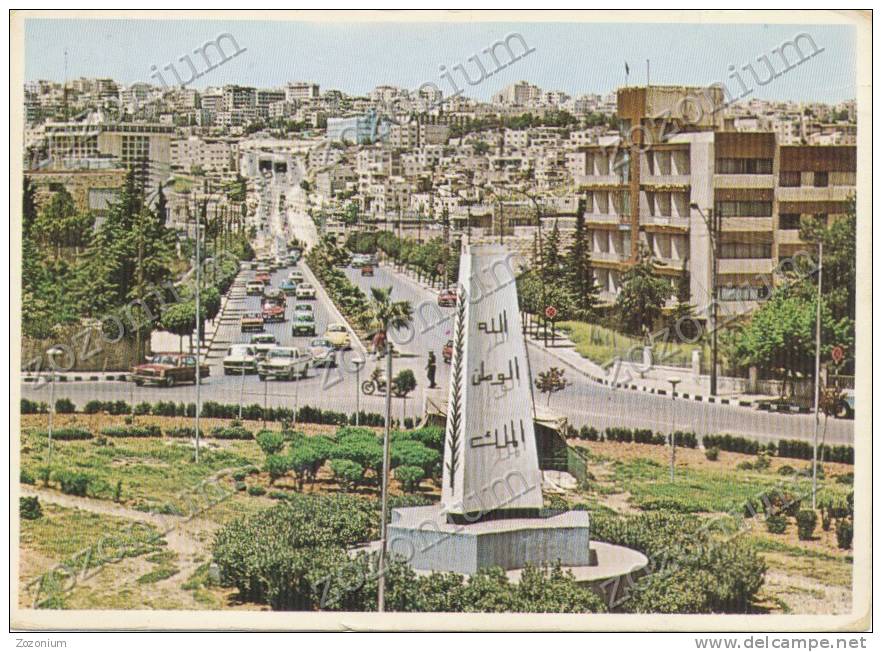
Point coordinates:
pixel 303 324
pixel 359 260
pixel 284 363
pixel 254 288
pixel 263 342
pixel 338 336
pixel 367 270
pixel 447 351
pixel 305 291
pixel 168 370
pixel 288 287
pixel 240 358
pixel 263 277
pixel 303 307
pixel 322 353
pixel 273 311
pixel 295 276
pixel 447 298
pixel 251 321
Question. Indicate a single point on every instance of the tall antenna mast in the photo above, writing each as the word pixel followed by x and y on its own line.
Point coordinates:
pixel 64 102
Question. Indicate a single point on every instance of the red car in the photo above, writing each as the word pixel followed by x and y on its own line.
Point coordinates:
pixel 272 311
pixel 367 270
pixel 168 370
pixel 263 277
pixel 447 298
pixel 447 352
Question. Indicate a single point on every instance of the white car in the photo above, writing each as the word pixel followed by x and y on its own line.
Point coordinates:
pixel 240 358
pixel 254 288
pixel 284 363
pixel 263 342
pixel 295 276
pixel 305 291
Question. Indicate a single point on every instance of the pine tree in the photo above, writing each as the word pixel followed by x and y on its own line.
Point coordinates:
pixel 643 295
pixel 580 274
pixel 551 264
pixel 161 206
pixel 29 207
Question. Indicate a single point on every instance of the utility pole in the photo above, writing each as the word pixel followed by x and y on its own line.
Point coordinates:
pixel 713 223
pixel 674 382
pixel 817 377
pixel 198 338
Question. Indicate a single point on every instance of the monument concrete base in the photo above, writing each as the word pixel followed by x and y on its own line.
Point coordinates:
pixel 424 537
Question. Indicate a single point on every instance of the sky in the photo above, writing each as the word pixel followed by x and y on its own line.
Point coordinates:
pixel 354 57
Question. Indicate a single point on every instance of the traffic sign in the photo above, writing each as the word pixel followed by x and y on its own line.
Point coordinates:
pixel 551 312
pixel 837 354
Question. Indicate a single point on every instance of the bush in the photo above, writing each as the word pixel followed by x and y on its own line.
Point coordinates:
pixel 845 478
pixel 686 439
pixel 29 508
pixel 306 459
pixel 152 430
pixel 413 453
pixel 32 407
pixel 806 521
pixel 25 477
pixel 731 444
pixel 231 432
pixel 744 466
pixel 712 454
pixel 270 442
pixel 409 477
pixel 589 433
pixel 762 462
pixel 277 466
pixel 347 473
pixel 776 523
pixel 786 469
pixel 367 453
pixel 803 450
pixel 142 408
pixel 183 432
pixel 73 483
pixel 65 406
pixel 68 433
pixel 844 533
pixel 256 490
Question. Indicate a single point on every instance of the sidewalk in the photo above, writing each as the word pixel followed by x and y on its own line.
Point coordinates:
pixel 625 375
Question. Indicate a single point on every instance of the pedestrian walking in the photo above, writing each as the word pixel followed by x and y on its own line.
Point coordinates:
pixel 431 365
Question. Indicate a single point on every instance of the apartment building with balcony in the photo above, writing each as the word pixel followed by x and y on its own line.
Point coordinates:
pixel 661 184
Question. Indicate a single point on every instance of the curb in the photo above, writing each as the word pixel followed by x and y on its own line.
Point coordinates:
pixel 320 289
pixel 77 377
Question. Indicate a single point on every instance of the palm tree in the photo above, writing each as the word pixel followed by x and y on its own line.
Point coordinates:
pixel 385 315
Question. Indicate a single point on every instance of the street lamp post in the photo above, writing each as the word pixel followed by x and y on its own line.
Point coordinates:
pixel 358 362
pixel 198 336
pixel 713 226
pixel 51 353
pixel 817 377
pixel 674 382
pixel 384 485
pixel 242 392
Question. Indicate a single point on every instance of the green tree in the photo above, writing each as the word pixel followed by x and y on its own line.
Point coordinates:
pixel 552 265
pixel 640 301
pixel 180 319
pixel 580 274
pixel 551 381
pixel 60 224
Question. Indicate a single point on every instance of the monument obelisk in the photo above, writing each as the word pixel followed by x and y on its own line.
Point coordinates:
pixel 491 466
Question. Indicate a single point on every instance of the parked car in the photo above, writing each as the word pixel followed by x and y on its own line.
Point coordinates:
pixel 447 351
pixel 358 260
pixel 263 342
pixel 240 358
pixel 254 288
pixel 305 291
pixel 263 277
pixel 322 353
pixel 251 321
pixel 273 311
pixel 303 324
pixel 288 287
pixel 367 270
pixel 447 298
pixel 284 363
pixel 338 336
pixel 168 370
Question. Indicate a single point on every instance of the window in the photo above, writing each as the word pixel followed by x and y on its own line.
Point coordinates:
pixel 789 221
pixel 790 179
pixel 742 293
pixel 744 166
pixel 745 250
pixel 821 180
pixel 744 208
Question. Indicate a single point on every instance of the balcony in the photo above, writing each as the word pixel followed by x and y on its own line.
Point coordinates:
pixel 789 237
pixel 746 224
pixel 598 180
pixel 744 181
pixel 607 218
pixel 607 257
pixel 746 265
pixel 669 221
pixel 810 193
pixel 674 180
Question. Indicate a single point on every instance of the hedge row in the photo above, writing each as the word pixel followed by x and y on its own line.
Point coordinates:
pixel 212 409
pixel 152 430
pixel 637 436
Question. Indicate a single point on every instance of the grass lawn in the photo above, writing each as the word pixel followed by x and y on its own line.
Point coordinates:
pixel 601 345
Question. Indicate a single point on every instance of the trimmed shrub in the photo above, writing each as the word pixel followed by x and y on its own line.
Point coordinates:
pixel 367 453
pixel 231 432
pixel 685 439
pixel 28 406
pixel 413 453
pixel 183 432
pixel 762 462
pixel 731 443
pixel 65 406
pixel 712 454
pixel 786 470
pixel 277 466
pixel 68 433
pixel 806 521
pixel 29 508
pixel 589 433
pixel 270 442
pixel 256 490
pixel 151 430
pixel 844 533
pixel 409 477
pixel 347 473
pixel 776 523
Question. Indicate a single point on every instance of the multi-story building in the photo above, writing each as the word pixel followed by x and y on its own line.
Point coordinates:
pixel 266 97
pixel 664 185
pixel 518 94
pixel 360 129
pixel 301 91
pixel 208 154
